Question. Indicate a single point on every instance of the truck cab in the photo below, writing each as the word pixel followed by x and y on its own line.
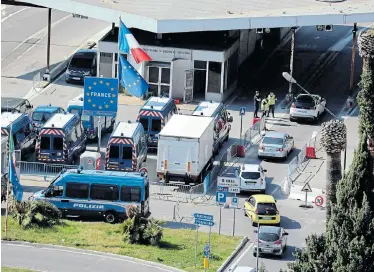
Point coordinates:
pixel 153 115
pixel 19 124
pixel 61 140
pixel 244 177
pixel 127 147
pixel 90 123
pixel 42 114
pixel 222 120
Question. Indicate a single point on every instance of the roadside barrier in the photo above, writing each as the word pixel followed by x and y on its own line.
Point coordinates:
pixel 42 169
pixel 175 192
pixel 253 132
pixel 297 163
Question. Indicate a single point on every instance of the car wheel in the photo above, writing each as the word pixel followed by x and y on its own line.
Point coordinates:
pixel 245 214
pixel 110 217
pixel 253 223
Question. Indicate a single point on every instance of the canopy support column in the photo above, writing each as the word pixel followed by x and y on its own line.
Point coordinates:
pixel 47 75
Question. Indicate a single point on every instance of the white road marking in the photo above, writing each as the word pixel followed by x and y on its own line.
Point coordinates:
pixel 36 34
pixel 14 13
pixel 243 254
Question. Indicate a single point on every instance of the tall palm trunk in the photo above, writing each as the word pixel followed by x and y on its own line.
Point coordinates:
pixel 333 140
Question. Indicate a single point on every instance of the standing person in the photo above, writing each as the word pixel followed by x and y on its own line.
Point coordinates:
pixel 256 101
pixel 271 99
pixel 265 107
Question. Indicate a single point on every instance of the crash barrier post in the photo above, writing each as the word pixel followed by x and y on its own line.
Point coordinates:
pixel 42 169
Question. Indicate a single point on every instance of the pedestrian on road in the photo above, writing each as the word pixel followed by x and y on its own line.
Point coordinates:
pixel 256 101
pixel 271 99
pixel 265 107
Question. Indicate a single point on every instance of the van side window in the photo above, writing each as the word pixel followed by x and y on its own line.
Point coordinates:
pixel 78 130
pixel 130 194
pixel 73 136
pixel 57 191
pixel 104 192
pixel 76 190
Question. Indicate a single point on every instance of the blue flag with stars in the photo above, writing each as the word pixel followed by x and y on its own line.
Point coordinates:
pixel 131 79
pixel 100 96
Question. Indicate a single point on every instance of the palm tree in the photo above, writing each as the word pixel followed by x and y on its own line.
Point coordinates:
pixel 333 140
pixel 365 97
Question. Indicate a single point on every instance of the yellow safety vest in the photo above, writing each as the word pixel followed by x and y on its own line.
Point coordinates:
pixel 264 105
pixel 271 99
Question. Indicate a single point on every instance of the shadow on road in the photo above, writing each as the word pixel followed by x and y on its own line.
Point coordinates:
pixel 288 223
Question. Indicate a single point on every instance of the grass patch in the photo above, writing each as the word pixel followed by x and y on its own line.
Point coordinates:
pixel 177 248
pixel 11 269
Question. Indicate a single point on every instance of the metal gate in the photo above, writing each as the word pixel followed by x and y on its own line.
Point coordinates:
pixel 188 86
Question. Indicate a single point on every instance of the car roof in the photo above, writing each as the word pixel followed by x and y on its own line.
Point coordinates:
pixel 264 198
pixel 270 229
pixel 251 167
pixel 11 102
pixel 275 134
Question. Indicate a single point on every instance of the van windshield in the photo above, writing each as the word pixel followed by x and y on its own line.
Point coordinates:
pixel 250 175
pixel 127 153
pixel 156 125
pixel 81 62
pixel 75 111
pixel 45 142
pixel 40 116
pixel 144 122
pixel 57 143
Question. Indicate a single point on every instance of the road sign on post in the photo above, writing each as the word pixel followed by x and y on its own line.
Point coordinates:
pixel 306 188
pixel 100 96
pixel 235 201
pixel 221 197
pixel 318 201
pixel 206 251
pixel 242 113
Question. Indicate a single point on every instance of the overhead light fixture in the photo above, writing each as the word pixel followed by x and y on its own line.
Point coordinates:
pixel 267 30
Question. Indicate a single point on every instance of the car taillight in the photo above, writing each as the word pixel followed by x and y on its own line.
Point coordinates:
pixel 279 242
pixel 261 147
pixel 280 149
pixel 292 105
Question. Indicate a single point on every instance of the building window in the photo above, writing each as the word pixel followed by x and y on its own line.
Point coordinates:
pixel 232 71
pixel 199 77
pixel 214 77
pixel 198 64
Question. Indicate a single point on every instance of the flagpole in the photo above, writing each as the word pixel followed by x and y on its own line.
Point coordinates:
pixel 7 188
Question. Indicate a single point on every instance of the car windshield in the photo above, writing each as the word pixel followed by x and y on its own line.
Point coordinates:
pixel 305 99
pixel 266 208
pixel 268 237
pixel 40 116
pixel 81 62
pixel 250 175
pixel 272 141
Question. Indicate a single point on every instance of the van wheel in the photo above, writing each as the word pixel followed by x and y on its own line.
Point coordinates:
pixel 110 217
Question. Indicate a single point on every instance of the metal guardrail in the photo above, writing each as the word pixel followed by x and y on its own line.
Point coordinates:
pixel 253 132
pixel 175 192
pixel 297 163
pixel 42 169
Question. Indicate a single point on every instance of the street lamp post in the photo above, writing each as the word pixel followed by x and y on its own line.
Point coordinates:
pixel 258 231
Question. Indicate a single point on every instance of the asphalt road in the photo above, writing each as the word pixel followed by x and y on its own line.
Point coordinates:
pixel 24 44
pixel 322 65
pixel 61 259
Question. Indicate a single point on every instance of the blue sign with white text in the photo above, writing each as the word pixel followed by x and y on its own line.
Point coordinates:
pixel 222 189
pixel 221 197
pixel 204 222
pixel 100 96
pixel 242 111
pixel 202 216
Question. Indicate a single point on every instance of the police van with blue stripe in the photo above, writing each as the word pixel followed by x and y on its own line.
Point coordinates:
pixel 154 115
pixel 127 147
pixel 90 123
pixel 61 139
pixel 97 194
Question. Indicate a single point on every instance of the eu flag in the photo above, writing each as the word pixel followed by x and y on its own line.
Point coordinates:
pixel 131 79
pixel 13 177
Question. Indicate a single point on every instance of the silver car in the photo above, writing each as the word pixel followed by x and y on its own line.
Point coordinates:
pixel 275 145
pixel 272 240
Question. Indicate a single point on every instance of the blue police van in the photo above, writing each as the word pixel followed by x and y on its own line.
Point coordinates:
pixel 19 124
pixel 42 114
pixel 97 194
pixel 61 139
pixel 127 147
pixel 90 123
pixel 154 115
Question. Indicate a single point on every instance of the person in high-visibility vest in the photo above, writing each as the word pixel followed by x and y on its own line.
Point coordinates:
pixel 271 99
pixel 265 107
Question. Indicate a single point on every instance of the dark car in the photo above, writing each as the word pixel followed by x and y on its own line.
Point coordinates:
pixel 14 104
pixel 83 63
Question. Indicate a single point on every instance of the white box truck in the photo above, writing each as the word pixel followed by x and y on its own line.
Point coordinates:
pixel 185 149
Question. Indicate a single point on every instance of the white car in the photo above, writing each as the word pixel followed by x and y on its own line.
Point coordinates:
pixel 252 178
pixel 307 106
pixel 275 145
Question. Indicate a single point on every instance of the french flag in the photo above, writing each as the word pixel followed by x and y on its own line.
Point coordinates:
pixel 129 45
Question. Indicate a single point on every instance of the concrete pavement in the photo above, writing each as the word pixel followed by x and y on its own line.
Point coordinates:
pixel 61 259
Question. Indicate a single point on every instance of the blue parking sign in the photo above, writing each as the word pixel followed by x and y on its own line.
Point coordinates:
pixel 242 111
pixel 221 197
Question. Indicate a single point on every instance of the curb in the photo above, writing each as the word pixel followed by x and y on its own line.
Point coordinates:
pixel 94 252
pixel 233 254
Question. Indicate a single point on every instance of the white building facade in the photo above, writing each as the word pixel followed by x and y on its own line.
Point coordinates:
pixel 185 72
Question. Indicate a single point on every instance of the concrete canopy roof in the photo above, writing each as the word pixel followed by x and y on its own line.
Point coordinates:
pixel 172 16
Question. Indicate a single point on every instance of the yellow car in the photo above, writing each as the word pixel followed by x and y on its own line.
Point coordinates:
pixel 262 209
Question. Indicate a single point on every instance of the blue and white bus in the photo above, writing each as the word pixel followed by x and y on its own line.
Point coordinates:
pixel 97 194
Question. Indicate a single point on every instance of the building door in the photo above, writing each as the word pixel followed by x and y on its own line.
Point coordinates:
pixel 159 78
